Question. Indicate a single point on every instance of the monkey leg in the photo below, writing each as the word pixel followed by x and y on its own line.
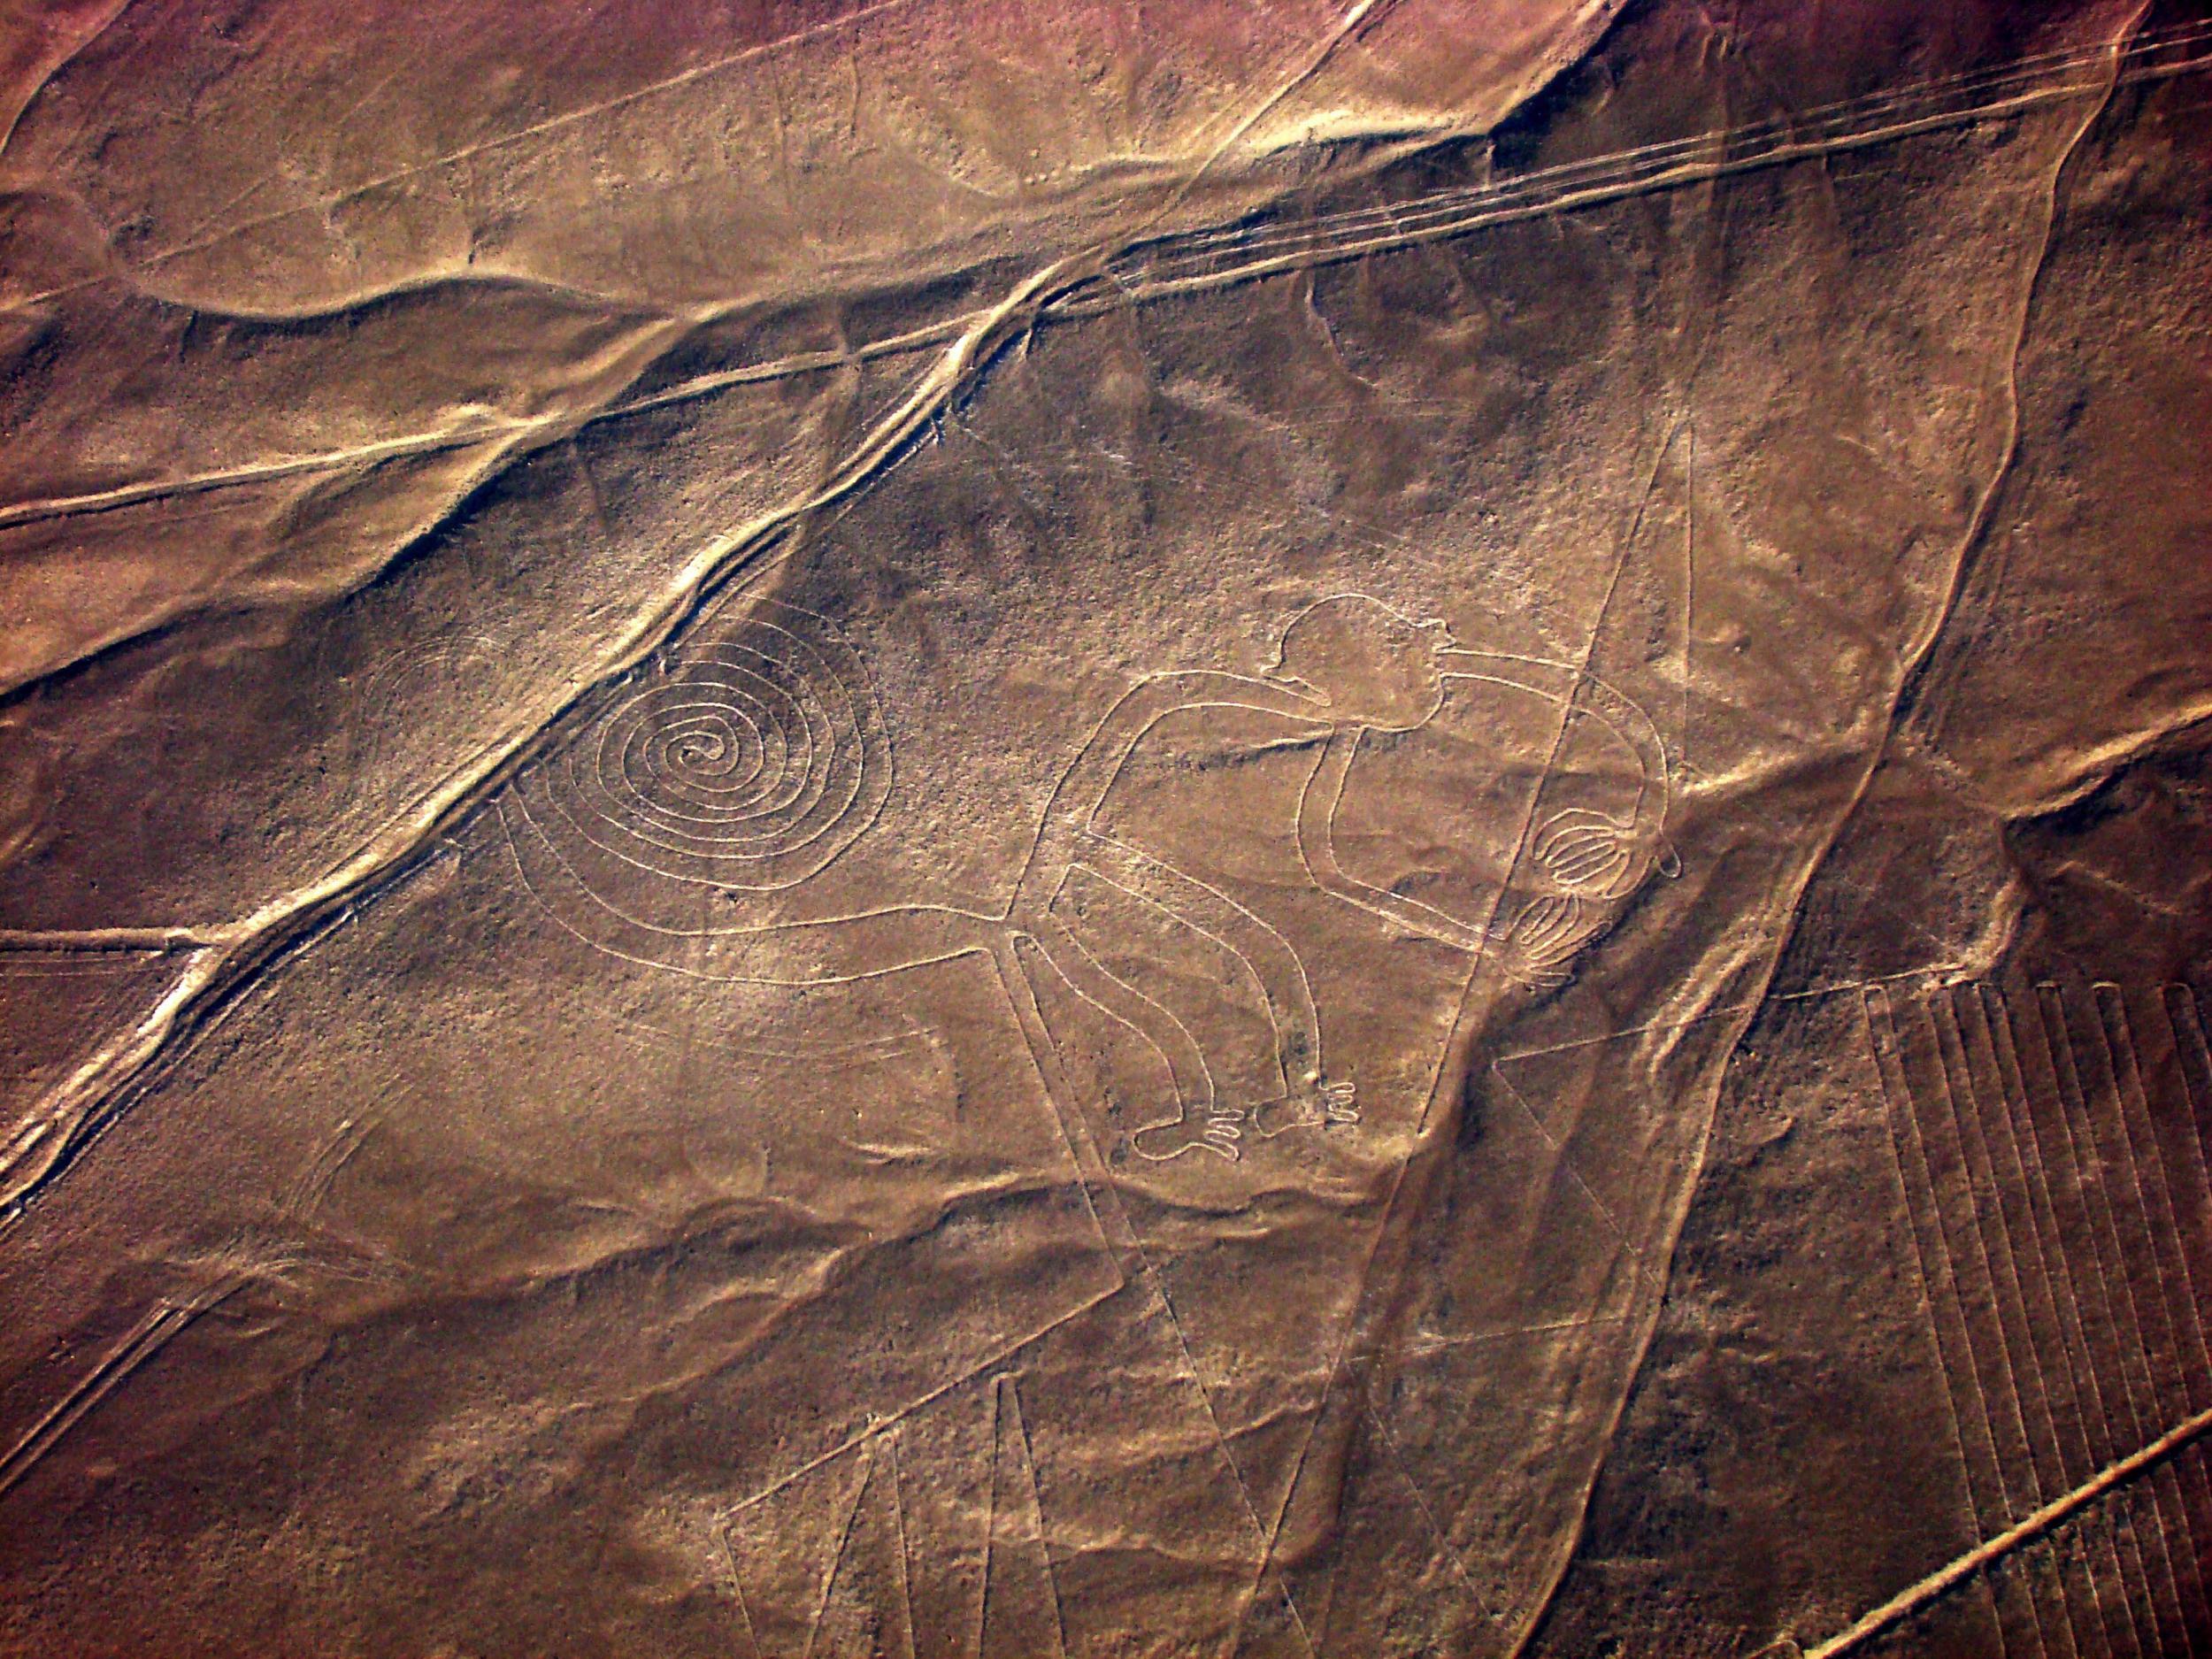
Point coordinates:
pixel 1197 1120
pixel 1307 1096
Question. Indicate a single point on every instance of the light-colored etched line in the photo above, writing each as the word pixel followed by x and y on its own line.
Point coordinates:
pixel 999 1356
pixel 2130 1181
pixel 1267 958
pixel 2073 1579
pixel 1013 1461
pixel 990 1532
pixel 2119 1513
pixel 744 1606
pixel 154 1328
pixel 2038 1261
pixel 898 1528
pixel 1117 1238
pixel 2178 1281
pixel 140 1344
pixel 1993 1201
pixel 167 1318
pixel 1938 1272
pixel 2092 1130
pixel 1063 966
pixel 2039 73
pixel 2025 1532
pixel 1957 1186
pixel 2002 1351
pixel 2036 1272
pixel 2191 1469
pixel 1405 230
pixel 45 509
pixel 127 941
pixel 2102 1162
pixel 2109 1332
pixel 1417 1347
pixel 750 761
pixel 1463 1019
pixel 2045 1584
pixel 2192 1080
pixel 108 1082
pixel 1067 839
pixel 2192 1086
pixel 2098 1444
pixel 1620 1233
pixel 2177 1490
pixel 1102 1198
pixel 1676 177
pixel 1910 976
pixel 1156 1287
pixel 1749 144
pixel 309 1188
pixel 1093 1179
pixel 2131 1630
pixel 500 141
pixel 1380 1432
pixel 844 1543
pixel 2184 1294
pixel 1689 597
pixel 516 432
pixel 2159 1519
pixel 1169 1037
pixel 1959 1179
pixel 2119 1358
pixel 2005 91
pixel 2196 1061
pixel 1919 659
pixel 2054 1178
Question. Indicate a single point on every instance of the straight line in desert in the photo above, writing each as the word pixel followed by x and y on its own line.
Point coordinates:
pixel 1911 1600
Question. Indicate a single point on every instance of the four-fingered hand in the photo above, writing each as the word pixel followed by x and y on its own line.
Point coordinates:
pixel 1584 852
pixel 1313 1101
pixel 1543 939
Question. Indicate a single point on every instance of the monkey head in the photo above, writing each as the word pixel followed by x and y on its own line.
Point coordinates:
pixel 1374 666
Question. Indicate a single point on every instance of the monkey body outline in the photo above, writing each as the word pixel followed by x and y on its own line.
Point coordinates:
pixel 1361 668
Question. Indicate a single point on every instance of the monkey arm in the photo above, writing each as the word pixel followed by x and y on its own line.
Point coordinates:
pixel 1317 844
pixel 1589 852
pixel 1580 692
pixel 1082 788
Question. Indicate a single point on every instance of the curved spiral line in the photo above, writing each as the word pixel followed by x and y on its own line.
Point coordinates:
pixel 801 788
pixel 788 745
pixel 749 763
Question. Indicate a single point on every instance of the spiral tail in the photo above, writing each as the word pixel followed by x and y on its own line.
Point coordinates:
pixel 747 763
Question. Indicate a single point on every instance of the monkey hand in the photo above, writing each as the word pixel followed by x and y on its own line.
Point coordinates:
pixel 1584 853
pixel 1312 1100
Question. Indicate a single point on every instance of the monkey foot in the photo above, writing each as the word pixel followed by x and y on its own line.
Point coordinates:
pixel 1219 1131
